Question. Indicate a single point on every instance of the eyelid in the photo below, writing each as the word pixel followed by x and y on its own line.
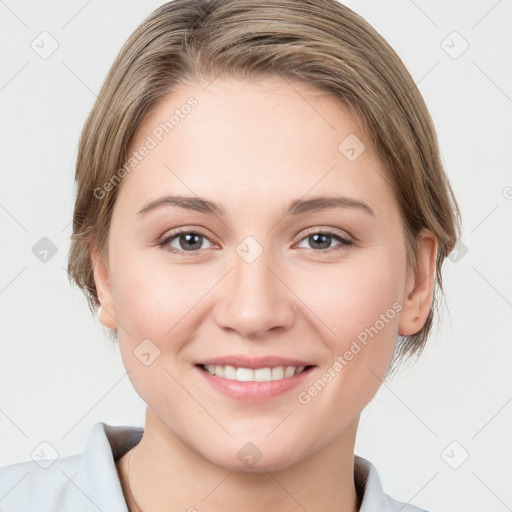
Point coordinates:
pixel 327 231
pixel 168 235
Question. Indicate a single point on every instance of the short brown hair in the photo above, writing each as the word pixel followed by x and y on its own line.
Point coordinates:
pixel 319 42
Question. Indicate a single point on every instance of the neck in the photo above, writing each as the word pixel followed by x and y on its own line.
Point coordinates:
pixel 167 475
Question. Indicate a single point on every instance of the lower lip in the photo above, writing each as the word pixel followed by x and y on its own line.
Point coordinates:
pixel 253 391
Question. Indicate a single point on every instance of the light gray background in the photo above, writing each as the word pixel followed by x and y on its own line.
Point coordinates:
pixel 59 374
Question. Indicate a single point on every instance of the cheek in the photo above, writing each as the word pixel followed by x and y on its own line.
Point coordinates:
pixel 152 297
pixel 357 308
pixel 161 308
pixel 360 305
pixel 157 308
pixel 352 297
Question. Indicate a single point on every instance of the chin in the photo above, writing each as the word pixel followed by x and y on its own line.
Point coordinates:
pixel 255 457
pixel 266 464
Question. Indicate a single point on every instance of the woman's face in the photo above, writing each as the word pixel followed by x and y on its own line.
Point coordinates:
pixel 286 243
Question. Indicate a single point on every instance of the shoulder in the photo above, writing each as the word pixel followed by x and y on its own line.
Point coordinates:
pixel 84 482
pixel 369 488
pixel 29 486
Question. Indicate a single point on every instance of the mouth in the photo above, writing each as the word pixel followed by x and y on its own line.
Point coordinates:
pixel 252 380
pixel 264 374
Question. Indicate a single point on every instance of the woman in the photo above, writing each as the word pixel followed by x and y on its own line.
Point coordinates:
pixel 260 222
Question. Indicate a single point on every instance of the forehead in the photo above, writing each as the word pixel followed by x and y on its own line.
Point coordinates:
pixel 252 141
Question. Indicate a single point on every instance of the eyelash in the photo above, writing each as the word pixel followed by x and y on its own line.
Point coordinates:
pixel 344 242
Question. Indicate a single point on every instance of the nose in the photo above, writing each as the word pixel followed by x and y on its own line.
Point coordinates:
pixel 254 298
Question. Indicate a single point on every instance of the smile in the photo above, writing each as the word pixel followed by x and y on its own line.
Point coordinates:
pixel 253 375
pixel 252 384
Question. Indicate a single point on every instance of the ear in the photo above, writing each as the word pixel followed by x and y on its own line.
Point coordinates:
pixel 419 288
pixel 107 313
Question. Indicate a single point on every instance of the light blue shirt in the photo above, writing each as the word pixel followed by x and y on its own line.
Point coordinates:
pixel 89 481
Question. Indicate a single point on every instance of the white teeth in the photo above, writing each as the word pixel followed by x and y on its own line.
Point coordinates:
pixel 290 370
pixel 250 375
pixel 244 374
pixel 263 375
pixel 229 372
pixel 277 373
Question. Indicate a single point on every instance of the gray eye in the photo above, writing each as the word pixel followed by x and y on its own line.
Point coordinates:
pixel 318 241
pixel 187 241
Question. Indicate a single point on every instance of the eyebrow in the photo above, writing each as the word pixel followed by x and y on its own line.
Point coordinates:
pixel 297 207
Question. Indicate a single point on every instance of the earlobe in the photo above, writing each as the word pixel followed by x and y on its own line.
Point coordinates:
pixel 420 286
pixel 106 313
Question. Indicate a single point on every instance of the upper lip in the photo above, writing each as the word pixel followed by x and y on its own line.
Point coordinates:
pixel 244 361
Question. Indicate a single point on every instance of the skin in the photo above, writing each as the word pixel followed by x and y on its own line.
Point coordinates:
pixel 254 146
